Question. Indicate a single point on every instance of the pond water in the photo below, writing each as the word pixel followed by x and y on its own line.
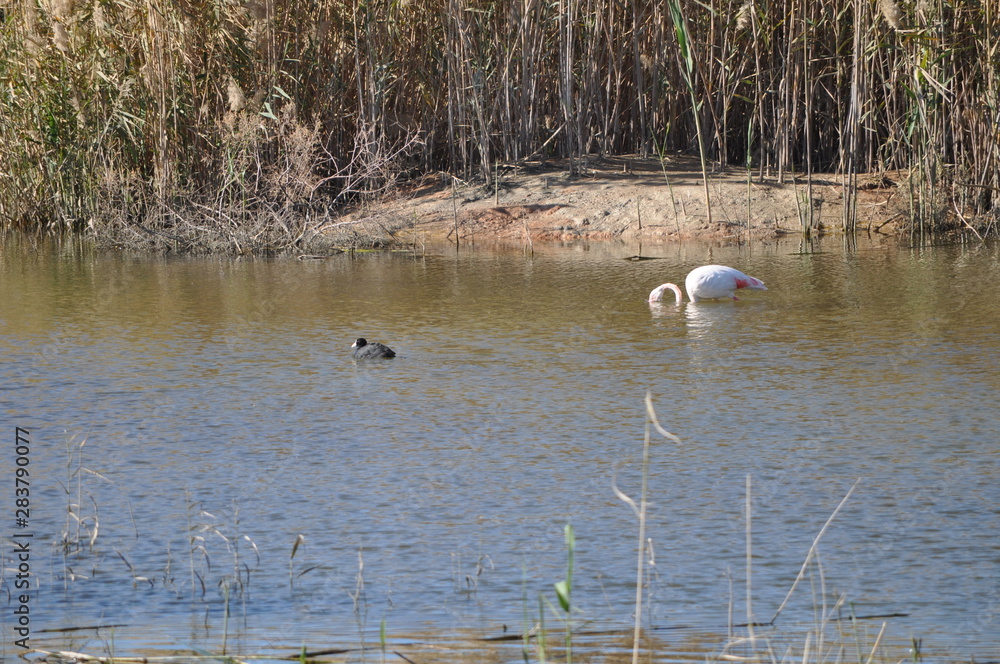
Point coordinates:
pixel 190 418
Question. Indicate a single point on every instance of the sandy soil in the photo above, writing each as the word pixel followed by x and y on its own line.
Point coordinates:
pixel 628 198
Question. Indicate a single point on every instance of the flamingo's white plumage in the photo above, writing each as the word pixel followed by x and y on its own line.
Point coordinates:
pixel 710 282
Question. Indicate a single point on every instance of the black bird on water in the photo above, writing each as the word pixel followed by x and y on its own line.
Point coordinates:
pixel 371 351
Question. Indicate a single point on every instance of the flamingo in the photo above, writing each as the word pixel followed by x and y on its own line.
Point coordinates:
pixel 710 282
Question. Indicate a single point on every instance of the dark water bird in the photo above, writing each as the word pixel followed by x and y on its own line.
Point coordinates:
pixel 371 351
pixel 710 282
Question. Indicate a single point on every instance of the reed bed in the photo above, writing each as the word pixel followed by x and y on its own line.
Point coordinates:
pixel 248 126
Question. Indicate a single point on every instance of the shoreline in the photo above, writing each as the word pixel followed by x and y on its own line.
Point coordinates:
pixel 626 198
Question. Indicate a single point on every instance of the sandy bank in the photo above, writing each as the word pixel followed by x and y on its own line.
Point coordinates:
pixel 628 198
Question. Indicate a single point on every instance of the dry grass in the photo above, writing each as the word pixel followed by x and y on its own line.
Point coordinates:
pixel 122 118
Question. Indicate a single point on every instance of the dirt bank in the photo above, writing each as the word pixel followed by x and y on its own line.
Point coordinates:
pixel 624 197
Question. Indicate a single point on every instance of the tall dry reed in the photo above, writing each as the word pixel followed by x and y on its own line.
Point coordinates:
pixel 252 122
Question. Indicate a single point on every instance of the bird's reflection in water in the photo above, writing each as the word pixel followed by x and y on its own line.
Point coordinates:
pixel 698 317
pixel 665 309
pixel 701 317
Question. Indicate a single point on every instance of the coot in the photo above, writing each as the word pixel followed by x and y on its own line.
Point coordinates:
pixel 371 351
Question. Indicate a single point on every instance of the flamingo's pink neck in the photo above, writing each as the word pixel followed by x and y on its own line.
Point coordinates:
pixel 657 294
pixel 678 295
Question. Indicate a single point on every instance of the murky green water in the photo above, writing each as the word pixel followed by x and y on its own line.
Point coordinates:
pixel 223 416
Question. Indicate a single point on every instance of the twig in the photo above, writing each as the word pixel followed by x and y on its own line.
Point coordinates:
pixel 965 221
pixel 812 551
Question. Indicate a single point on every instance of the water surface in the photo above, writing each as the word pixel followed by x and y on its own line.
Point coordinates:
pixel 203 413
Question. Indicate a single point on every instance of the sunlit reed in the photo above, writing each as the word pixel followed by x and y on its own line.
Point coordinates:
pixel 246 127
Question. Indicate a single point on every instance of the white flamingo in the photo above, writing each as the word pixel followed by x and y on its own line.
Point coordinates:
pixel 709 282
